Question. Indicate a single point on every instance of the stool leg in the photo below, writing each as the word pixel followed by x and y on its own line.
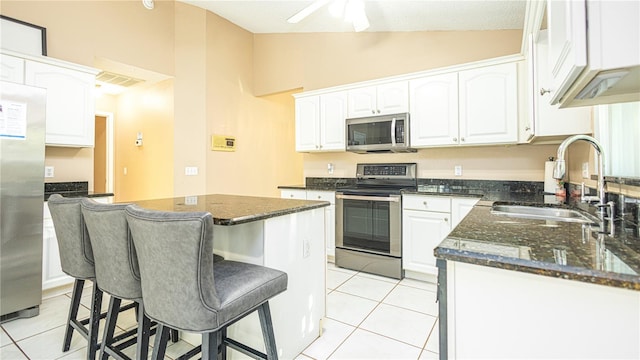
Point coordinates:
pixel 160 344
pixel 144 330
pixel 73 313
pixel 112 319
pixel 223 347
pixel 267 331
pixel 209 346
pixel 94 322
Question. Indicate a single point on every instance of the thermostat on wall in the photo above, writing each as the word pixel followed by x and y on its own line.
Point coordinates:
pixel 223 143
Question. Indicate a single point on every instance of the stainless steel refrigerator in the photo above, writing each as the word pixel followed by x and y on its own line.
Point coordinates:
pixel 22 136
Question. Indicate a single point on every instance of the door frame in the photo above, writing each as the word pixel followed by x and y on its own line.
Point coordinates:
pixel 109 149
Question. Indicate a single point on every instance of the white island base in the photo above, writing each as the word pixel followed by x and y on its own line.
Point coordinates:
pixel 503 314
pixel 293 243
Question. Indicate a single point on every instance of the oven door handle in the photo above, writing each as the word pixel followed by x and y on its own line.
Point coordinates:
pixel 392 198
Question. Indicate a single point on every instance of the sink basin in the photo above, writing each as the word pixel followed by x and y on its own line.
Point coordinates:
pixel 542 213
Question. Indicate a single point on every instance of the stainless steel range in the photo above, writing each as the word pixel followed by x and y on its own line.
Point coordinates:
pixel 369 219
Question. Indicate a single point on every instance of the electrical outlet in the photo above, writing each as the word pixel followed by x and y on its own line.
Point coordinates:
pixel 191 200
pixel 191 170
pixel 585 170
pixel 48 171
pixel 457 170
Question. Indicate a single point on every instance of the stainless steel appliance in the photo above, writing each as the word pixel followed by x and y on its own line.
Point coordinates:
pixel 22 136
pixel 369 219
pixel 382 133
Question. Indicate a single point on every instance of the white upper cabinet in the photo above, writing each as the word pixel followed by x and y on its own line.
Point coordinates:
pixel 488 105
pixel 307 120
pixel 11 69
pixel 70 103
pixel 567 44
pixel 548 122
pixel 434 110
pixel 382 99
pixel 594 51
pixel 333 112
pixel 320 122
pixel 470 107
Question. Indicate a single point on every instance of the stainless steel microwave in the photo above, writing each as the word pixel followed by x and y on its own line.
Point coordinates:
pixel 382 133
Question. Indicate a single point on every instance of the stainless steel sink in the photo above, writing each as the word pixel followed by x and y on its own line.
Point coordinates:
pixel 543 213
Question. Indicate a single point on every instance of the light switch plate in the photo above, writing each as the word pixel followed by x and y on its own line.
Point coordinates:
pixel 457 170
pixel 48 171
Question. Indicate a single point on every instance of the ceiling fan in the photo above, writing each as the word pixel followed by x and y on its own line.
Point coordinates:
pixel 352 10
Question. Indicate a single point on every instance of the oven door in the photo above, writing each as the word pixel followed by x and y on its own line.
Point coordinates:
pixel 369 223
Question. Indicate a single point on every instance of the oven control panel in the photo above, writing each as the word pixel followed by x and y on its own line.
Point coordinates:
pixel 404 171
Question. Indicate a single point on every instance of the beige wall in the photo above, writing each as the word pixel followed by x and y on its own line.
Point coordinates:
pixel 517 162
pixel 313 61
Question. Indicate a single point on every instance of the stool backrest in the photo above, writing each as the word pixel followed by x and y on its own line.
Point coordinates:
pixel 76 255
pixel 175 254
pixel 115 257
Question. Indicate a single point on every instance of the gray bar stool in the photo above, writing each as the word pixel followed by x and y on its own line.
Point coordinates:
pixel 76 258
pixel 184 289
pixel 117 274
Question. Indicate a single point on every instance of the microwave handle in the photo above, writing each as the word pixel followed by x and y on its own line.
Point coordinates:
pixel 391 198
pixel 393 132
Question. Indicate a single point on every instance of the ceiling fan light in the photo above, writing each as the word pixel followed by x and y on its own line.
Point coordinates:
pixel 148 4
pixel 360 22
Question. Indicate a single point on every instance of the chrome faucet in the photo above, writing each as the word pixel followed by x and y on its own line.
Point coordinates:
pixel 560 168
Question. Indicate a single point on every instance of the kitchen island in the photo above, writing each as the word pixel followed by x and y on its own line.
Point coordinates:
pixel 283 234
pixel 514 288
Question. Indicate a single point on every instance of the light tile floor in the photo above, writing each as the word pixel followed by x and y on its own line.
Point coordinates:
pixel 368 317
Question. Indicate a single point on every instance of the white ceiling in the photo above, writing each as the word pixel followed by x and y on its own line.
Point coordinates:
pixel 270 16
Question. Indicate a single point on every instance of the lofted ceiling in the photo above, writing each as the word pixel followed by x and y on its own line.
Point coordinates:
pixel 269 16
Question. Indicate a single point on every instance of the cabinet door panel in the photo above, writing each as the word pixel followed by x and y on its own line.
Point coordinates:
pixel 567 43
pixel 70 103
pixel 489 105
pixel 307 120
pixel 333 112
pixel 362 102
pixel 434 110
pixel 422 232
pixel 393 98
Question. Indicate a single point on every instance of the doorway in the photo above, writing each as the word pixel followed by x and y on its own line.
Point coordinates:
pixel 103 153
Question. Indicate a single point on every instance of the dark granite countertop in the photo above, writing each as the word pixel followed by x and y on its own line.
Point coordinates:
pixel 233 209
pixel 71 189
pixel 558 249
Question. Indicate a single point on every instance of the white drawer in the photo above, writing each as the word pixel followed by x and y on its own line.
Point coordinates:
pixel 293 194
pixel 329 196
pixel 427 203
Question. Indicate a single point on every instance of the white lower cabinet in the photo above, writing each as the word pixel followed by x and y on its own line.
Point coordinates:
pixel 52 274
pixel 426 221
pixel 329 213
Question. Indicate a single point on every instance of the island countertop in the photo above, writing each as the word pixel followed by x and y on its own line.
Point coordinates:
pixel 567 250
pixel 233 209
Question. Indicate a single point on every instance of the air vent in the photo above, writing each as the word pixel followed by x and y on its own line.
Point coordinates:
pixel 117 79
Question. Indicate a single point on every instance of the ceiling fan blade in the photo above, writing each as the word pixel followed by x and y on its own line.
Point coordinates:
pixel 307 11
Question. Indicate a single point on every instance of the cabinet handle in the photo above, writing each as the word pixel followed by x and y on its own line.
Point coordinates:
pixel 446 219
pixel 544 91
pixel 373 111
pixel 319 197
pixel 424 203
pixel 461 139
pixel 378 111
pixel 455 139
pixel 527 128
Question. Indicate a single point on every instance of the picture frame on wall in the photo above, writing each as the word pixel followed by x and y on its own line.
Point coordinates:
pixel 20 36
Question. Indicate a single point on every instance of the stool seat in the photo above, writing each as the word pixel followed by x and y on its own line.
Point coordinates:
pixel 184 288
